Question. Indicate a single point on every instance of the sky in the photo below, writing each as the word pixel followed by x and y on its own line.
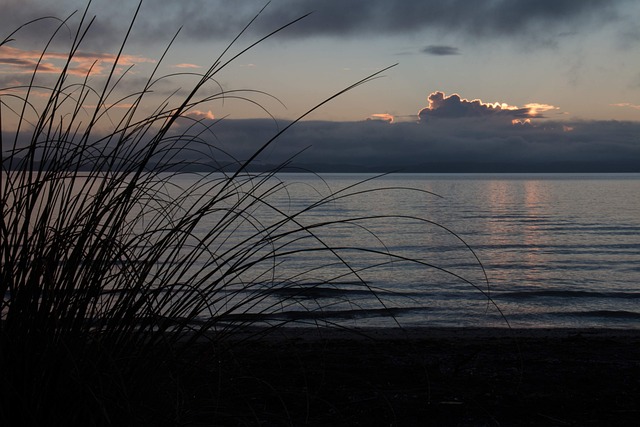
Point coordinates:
pixel 483 85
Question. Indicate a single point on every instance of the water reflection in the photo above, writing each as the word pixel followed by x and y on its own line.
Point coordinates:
pixel 514 233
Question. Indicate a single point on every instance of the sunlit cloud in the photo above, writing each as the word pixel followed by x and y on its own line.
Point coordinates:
pixel 201 114
pixel 536 110
pixel 626 105
pixel 18 61
pixel 185 65
pixel 453 106
pixel 383 116
pixel 521 122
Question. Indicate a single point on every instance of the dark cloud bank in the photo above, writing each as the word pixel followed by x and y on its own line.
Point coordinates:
pixel 467 144
pixel 464 145
pixel 477 18
pixel 533 20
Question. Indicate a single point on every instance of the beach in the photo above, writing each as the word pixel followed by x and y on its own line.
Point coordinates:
pixel 425 376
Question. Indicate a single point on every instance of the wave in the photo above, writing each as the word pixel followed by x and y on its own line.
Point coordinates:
pixel 317 292
pixel 293 315
pixel 561 248
pixel 609 314
pixel 565 294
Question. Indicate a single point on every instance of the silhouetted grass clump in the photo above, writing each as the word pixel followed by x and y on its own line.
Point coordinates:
pixel 110 271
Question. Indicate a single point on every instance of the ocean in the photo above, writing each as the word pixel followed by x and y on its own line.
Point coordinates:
pixel 519 250
pixel 487 250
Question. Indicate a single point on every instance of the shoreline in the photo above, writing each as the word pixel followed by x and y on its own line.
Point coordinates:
pixel 315 333
pixel 442 376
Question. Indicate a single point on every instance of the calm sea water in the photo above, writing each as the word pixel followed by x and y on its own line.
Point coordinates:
pixel 557 250
pixel 431 250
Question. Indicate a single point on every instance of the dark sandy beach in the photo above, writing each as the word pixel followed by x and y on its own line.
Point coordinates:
pixel 426 376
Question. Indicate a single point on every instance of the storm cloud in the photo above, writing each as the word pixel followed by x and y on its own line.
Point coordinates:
pixel 480 18
pixel 202 19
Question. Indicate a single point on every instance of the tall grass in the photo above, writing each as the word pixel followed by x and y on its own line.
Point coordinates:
pixel 109 270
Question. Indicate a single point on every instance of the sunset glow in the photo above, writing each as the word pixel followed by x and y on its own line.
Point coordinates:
pixel 383 116
pixel 17 61
pixel 536 109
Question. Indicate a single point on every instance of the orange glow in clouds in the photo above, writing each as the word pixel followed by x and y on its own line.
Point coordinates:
pixel 187 66
pixel 521 122
pixel 383 116
pixel 536 109
pixel 201 114
pixel 454 106
pixel 627 105
pixel 14 60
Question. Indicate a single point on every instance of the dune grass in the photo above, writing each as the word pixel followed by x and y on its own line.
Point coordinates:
pixel 110 271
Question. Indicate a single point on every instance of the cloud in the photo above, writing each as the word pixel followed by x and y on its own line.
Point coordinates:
pixel 486 18
pixel 382 116
pixel 626 105
pixel 463 145
pixel 201 114
pixel 536 110
pixel 14 60
pixel 439 50
pixel 541 20
pixel 454 107
pixel 185 65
